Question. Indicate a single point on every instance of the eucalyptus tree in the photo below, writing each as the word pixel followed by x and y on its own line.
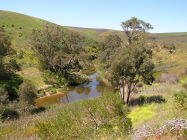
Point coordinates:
pixel 135 29
pixel 134 62
pixel 59 50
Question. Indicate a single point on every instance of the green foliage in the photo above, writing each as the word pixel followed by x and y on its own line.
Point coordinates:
pixel 97 118
pixel 180 100
pixel 59 51
pixel 3 97
pixel 52 78
pixel 110 48
pixel 92 47
pixel 13 65
pixel 11 83
pixel 8 114
pixel 133 65
pixel 20 54
pixel 27 93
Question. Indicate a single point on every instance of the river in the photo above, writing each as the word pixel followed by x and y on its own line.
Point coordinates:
pixel 92 89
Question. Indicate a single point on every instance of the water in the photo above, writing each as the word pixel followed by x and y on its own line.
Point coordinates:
pixel 92 89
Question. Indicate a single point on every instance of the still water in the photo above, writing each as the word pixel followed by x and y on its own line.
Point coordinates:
pixel 92 89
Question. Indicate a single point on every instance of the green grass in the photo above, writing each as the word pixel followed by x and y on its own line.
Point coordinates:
pixel 32 74
pixel 142 113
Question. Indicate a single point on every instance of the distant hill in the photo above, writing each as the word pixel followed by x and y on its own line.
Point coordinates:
pixel 20 23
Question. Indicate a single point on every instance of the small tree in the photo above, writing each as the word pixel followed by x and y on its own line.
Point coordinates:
pixel 28 93
pixel 132 66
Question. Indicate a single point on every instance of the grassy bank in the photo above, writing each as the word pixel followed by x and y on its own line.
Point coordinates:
pixel 89 119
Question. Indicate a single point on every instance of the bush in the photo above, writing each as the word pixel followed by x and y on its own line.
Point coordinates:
pixel 89 119
pixel 52 78
pixel 9 114
pixel 3 97
pixel 20 54
pixel 27 92
pixel 180 99
pixel 13 65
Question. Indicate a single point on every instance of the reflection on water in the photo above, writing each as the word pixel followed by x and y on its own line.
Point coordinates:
pixel 94 88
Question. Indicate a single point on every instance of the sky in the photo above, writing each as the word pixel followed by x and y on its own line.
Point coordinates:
pixel 164 15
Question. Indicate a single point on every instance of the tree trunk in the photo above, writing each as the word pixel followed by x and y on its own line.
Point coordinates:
pixel 128 97
pixel 122 93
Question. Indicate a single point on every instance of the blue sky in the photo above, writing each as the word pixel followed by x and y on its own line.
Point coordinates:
pixel 164 15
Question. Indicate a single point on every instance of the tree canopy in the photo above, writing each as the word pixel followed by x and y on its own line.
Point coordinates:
pixel 135 28
pixel 59 51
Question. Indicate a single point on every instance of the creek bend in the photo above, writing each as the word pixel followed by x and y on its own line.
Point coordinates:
pixel 94 88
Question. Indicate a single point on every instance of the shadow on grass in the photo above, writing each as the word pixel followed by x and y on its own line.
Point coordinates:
pixel 37 110
pixel 147 100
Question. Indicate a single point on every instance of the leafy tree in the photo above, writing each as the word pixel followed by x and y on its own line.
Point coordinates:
pixel 132 66
pixel 4 49
pixel 10 65
pixel 134 63
pixel 92 48
pixel 59 50
pixel 135 29
pixel 111 46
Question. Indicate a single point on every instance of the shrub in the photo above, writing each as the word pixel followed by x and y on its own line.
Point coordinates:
pixel 52 78
pixel 180 99
pixel 13 65
pixel 9 114
pixel 3 97
pixel 170 47
pixel 28 92
pixel 20 54
pixel 89 119
pixel 20 34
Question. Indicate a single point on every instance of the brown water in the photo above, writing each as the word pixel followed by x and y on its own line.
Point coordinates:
pixel 92 89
